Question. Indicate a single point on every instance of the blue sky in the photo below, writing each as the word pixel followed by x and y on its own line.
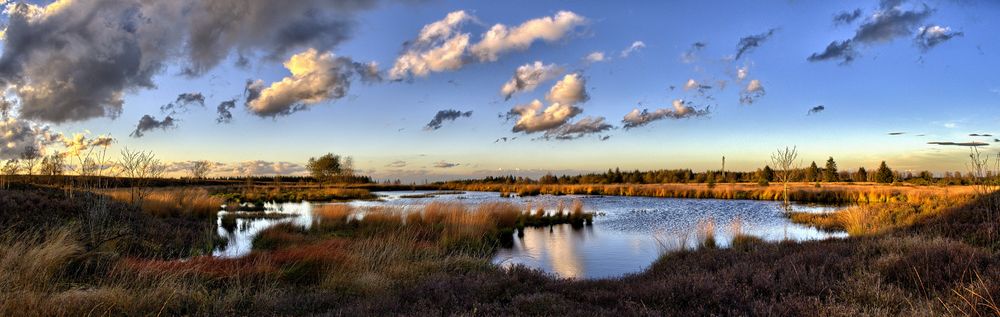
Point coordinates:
pixel 944 93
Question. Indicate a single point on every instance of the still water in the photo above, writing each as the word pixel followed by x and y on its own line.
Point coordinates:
pixel 628 233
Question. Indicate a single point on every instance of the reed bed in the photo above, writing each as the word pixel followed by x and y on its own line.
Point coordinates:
pixel 280 194
pixel 173 202
pixel 800 192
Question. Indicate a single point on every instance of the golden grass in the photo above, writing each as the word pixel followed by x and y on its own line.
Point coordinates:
pixel 802 192
pixel 174 202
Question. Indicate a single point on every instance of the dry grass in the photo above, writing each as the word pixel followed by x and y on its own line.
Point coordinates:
pixel 802 192
pixel 174 202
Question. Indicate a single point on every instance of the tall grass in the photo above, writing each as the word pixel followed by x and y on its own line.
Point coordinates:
pixel 801 192
pixel 174 202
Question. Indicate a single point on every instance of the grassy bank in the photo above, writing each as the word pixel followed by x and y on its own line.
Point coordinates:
pixel 928 257
pixel 801 192
pixel 280 194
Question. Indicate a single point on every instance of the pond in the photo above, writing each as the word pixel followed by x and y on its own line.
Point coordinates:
pixel 628 233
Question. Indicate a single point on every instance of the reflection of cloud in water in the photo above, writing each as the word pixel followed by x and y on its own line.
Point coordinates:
pixel 563 256
pixel 240 241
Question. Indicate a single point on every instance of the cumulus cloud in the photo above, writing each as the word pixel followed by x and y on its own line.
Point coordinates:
pixel 258 168
pixel 224 111
pixel 16 136
pixel 527 77
pixel 635 47
pixel 889 22
pixel 692 84
pixel 846 17
pixel 681 109
pixel 752 92
pixel 594 57
pixel 930 36
pixel 315 77
pixel 147 123
pixel 442 46
pixel 500 38
pixel 748 43
pixel 443 164
pixel 445 115
pixel 75 60
pixel 742 73
pixel 816 109
pixel 182 103
pixel 563 98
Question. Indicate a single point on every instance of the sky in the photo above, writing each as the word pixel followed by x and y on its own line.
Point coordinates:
pixel 432 90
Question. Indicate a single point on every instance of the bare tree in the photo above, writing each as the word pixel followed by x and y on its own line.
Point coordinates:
pixel 9 169
pixel 200 169
pixel 984 169
pixel 142 168
pixel 30 158
pixel 785 162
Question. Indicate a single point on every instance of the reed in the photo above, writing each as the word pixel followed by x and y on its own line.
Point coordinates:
pixel 174 202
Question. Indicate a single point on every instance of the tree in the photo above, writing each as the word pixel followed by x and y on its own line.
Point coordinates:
pixel 200 169
pixel 830 172
pixel 30 157
pixel 329 166
pixel 9 169
pixel 52 165
pixel 883 175
pixel 767 173
pixel 812 173
pixel 141 168
pixel 785 161
pixel 862 175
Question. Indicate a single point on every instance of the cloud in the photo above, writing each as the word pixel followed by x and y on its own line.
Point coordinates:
pixel 527 77
pixel 748 43
pixel 76 60
pixel 579 129
pixel 563 97
pixel 742 73
pixel 752 92
pixel 441 46
pixel 315 77
pixel 680 110
pixel 981 134
pixel 16 136
pixel 692 84
pixel 846 17
pixel 930 36
pixel 396 164
pixel 225 111
pixel 445 115
pixel 889 22
pixel 182 103
pixel 816 109
pixel 594 57
pixel 79 143
pixel 841 50
pixel 443 164
pixel 147 123
pixel 258 168
pixel 500 38
pixel 635 47
pixel 691 55
pixel 897 133
pixel 971 144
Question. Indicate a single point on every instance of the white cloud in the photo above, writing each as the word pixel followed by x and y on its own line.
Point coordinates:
pixel 753 91
pixel 635 47
pixel 315 77
pixel 527 77
pixel 595 57
pixel 501 38
pixel 563 97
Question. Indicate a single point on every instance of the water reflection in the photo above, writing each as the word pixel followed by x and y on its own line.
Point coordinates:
pixel 622 240
pixel 240 237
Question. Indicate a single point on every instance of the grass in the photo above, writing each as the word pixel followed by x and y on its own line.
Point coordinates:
pixel 174 202
pixel 280 194
pixel 800 192
pixel 928 257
